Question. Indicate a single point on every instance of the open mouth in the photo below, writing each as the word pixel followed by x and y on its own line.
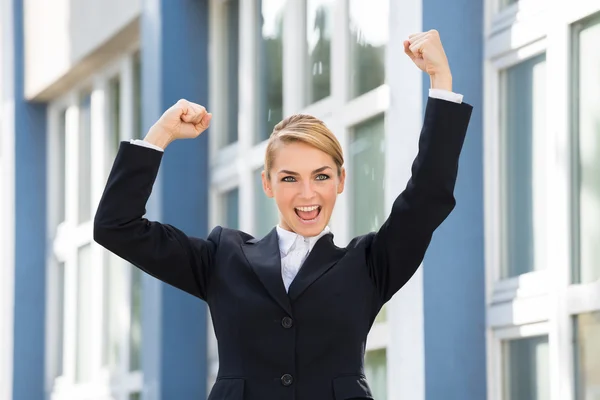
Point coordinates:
pixel 308 214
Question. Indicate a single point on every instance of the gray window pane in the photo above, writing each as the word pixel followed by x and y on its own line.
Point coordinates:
pixel 368 39
pixel 376 373
pixel 114 287
pixel 135 331
pixel 83 367
pixel 114 106
pixel 319 21
pixel 367 158
pixel 587 356
pixel 61 170
pixel 231 206
pixel 85 151
pixel 526 375
pixel 135 396
pixel 60 318
pixel 138 131
pixel 270 65
pixel 523 114
pixel 232 10
pixel 506 3
pixel 588 123
pixel 266 215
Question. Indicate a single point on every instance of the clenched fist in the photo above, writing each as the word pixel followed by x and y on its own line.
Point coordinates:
pixel 426 51
pixel 184 120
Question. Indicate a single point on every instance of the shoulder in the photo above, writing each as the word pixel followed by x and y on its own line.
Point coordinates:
pixel 229 236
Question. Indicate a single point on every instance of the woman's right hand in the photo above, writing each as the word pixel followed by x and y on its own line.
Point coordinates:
pixel 184 120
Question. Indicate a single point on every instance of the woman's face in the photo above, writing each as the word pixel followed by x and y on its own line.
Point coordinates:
pixel 305 184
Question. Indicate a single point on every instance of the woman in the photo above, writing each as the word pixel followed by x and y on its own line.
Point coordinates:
pixel 292 311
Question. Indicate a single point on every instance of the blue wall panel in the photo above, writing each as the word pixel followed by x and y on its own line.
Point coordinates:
pixel 30 229
pixel 453 276
pixel 174 66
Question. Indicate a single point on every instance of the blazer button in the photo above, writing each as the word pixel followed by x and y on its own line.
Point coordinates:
pixel 286 380
pixel 286 322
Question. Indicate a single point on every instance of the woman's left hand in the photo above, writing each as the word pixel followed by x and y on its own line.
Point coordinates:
pixel 426 51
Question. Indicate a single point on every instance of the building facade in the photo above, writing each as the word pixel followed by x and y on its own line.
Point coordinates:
pixel 506 305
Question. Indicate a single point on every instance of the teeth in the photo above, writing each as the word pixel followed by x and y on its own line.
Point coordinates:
pixel 307 209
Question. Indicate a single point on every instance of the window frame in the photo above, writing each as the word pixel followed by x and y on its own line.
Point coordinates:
pixel 549 296
pixel 68 236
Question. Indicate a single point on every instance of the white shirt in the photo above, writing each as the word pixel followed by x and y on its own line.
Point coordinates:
pixel 294 248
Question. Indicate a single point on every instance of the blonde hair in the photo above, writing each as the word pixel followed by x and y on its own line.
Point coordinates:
pixel 306 129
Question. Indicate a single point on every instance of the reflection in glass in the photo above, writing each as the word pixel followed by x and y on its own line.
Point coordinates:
pixel 83 365
pixel 84 168
pixel 588 121
pixel 523 114
pixel 587 356
pixel 270 66
pixel 367 158
pixel 318 39
pixel 526 374
pixel 376 373
pixel 369 30
pixel 266 215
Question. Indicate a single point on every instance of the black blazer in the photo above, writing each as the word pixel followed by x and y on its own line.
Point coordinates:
pixel 308 344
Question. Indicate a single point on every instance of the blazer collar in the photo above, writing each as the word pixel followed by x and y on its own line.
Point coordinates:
pixel 265 258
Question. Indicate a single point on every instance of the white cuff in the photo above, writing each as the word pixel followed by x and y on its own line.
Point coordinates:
pixel 143 143
pixel 446 95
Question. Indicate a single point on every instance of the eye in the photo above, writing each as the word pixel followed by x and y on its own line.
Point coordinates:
pixel 322 177
pixel 288 179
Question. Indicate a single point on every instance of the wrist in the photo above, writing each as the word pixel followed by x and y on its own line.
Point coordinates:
pixel 158 137
pixel 441 81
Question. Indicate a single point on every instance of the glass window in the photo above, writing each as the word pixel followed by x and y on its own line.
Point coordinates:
pixel 367 159
pixel 318 40
pixel 266 215
pixel 526 374
pixel 138 129
pixel 376 373
pixel 587 356
pixel 84 167
pixel 506 3
pixel 85 283
pixel 522 116
pixel 231 207
pixel 113 301
pixel 60 318
pixel 62 170
pixel 114 106
pixel 588 130
pixel 369 30
pixel 231 38
pixel 270 66
pixel 135 331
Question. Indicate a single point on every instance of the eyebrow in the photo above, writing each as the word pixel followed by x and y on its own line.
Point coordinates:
pixel 316 171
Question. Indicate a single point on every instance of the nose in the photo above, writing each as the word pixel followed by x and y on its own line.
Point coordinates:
pixel 307 189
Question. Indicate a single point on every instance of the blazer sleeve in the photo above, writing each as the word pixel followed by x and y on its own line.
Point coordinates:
pixel 160 250
pixel 398 248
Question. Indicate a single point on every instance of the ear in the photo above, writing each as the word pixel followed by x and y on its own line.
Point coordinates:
pixel 266 185
pixel 342 183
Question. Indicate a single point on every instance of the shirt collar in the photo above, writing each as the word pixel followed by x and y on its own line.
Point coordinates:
pixel 287 239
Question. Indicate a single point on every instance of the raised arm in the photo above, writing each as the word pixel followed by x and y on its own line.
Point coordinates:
pixel 398 248
pixel 161 250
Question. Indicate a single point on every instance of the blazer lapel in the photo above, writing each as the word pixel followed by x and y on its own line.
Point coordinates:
pixel 263 255
pixel 324 255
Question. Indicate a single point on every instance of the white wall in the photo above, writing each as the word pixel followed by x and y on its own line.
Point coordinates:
pixel 66 39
